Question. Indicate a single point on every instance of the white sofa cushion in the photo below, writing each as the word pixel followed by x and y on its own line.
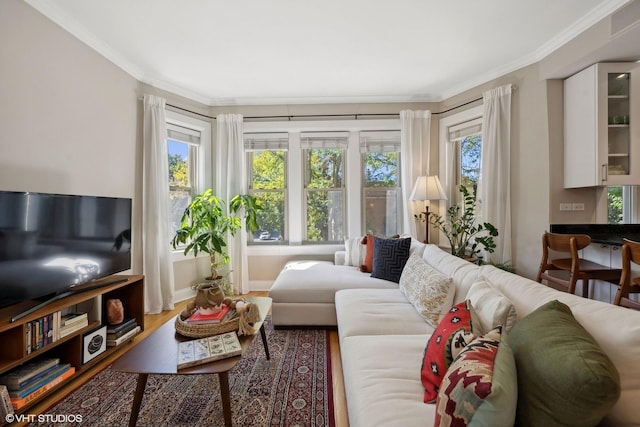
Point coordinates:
pixel 318 281
pixel 491 307
pixel 430 291
pixel 377 312
pixel 382 380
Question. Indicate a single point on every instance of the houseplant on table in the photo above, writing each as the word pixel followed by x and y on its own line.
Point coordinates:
pixel 205 224
pixel 466 237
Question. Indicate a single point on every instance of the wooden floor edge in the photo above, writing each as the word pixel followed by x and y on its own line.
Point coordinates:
pixel 340 414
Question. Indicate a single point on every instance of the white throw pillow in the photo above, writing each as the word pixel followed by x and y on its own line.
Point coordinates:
pixel 356 251
pixel 430 291
pixel 491 306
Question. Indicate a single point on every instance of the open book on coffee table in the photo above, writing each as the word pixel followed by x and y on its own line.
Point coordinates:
pixel 209 349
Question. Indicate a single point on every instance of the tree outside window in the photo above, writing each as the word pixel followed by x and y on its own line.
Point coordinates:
pixel 381 192
pixel 324 191
pixel 267 169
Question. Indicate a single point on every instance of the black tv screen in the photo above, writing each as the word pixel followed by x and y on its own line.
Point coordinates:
pixel 52 243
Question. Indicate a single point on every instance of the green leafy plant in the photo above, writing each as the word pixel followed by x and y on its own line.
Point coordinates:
pixel 466 237
pixel 205 224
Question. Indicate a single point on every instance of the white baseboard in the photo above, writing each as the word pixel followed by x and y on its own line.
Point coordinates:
pixel 183 294
pixel 260 285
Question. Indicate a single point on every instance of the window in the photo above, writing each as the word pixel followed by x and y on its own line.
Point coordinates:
pixel 381 182
pixel 314 178
pixel 324 190
pixel 461 148
pixel 622 206
pixel 188 141
pixel 267 166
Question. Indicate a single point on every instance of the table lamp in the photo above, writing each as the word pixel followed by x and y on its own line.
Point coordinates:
pixel 427 188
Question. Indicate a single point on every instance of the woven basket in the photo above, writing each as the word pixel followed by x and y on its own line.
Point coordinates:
pixel 208 329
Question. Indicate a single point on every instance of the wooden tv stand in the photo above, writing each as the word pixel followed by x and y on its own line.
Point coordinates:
pixel 70 348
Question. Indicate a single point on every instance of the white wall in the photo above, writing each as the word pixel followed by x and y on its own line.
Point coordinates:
pixel 68 116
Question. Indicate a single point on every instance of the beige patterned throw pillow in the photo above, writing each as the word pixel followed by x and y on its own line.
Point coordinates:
pixel 430 291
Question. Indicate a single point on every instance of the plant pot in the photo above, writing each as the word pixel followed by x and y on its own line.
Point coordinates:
pixel 209 296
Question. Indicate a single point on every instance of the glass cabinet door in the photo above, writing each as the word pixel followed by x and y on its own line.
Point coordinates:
pixel 618 114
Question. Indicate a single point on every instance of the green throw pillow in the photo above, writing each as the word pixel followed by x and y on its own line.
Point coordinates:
pixel 564 378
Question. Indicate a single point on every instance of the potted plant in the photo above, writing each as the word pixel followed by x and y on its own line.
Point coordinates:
pixel 205 223
pixel 466 237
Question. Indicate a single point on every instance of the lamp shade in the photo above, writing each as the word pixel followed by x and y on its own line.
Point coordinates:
pixel 428 188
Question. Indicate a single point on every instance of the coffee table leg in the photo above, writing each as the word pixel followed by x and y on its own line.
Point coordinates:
pixel 226 398
pixel 137 398
pixel 264 341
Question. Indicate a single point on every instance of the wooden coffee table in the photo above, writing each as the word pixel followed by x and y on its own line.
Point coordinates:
pixel 158 354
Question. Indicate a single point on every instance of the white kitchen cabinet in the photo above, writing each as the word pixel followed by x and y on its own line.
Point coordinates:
pixel 602 126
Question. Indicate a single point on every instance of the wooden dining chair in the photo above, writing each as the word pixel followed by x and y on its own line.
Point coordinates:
pixel 567 268
pixel 630 255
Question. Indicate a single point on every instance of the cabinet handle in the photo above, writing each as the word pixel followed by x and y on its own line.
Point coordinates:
pixel 605 171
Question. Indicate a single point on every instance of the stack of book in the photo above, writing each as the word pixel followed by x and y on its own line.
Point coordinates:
pixel 205 350
pixel 72 322
pixel 122 332
pixel 31 380
pixel 200 318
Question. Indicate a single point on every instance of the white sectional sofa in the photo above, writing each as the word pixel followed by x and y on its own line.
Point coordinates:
pixel 383 338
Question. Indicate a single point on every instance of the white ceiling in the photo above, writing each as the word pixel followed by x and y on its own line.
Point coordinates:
pixel 305 51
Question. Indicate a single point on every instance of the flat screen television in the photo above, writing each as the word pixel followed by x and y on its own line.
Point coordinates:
pixel 53 244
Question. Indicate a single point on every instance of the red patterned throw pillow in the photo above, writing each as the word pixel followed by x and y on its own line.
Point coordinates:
pixel 452 334
pixel 480 386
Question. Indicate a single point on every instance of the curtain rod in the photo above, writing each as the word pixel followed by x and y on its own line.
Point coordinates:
pixel 355 115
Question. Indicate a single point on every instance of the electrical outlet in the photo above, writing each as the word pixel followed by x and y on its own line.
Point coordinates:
pixel 578 206
pixel 565 206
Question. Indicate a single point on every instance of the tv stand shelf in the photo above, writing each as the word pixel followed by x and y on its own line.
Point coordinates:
pixel 127 288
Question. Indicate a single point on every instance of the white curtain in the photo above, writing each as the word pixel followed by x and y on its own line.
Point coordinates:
pixel 231 179
pixel 414 155
pixel 494 193
pixel 157 265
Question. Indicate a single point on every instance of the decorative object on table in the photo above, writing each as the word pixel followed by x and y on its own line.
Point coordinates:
pixel 205 224
pixel 205 350
pixel 94 344
pixel 240 317
pixel 466 237
pixel 115 311
pixel 200 317
pixel 426 189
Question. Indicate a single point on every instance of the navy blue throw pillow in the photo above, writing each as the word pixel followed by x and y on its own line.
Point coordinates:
pixel 389 258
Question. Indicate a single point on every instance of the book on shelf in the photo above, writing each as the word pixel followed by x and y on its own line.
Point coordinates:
pixel 6 407
pixel 22 402
pixel 124 338
pixel 199 318
pixel 33 379
pixel 126 323
pixel 71 318
pixel 15 378
pixel 50 375
pixel 74 327
pixel 121 332
pixel 205 350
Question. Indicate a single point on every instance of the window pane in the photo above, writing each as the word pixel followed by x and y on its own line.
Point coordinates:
pixel 381 209
pixel 271 218
pixel 324 167
pixel 470 149
pixel 325 216
pixel 380 169
pixel 267 171
pixel 178 163
pixel 615 205
pixel 180 190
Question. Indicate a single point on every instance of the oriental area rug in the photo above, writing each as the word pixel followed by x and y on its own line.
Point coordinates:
pixel 293 389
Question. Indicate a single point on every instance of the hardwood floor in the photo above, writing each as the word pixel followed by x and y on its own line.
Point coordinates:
pixel 153 321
